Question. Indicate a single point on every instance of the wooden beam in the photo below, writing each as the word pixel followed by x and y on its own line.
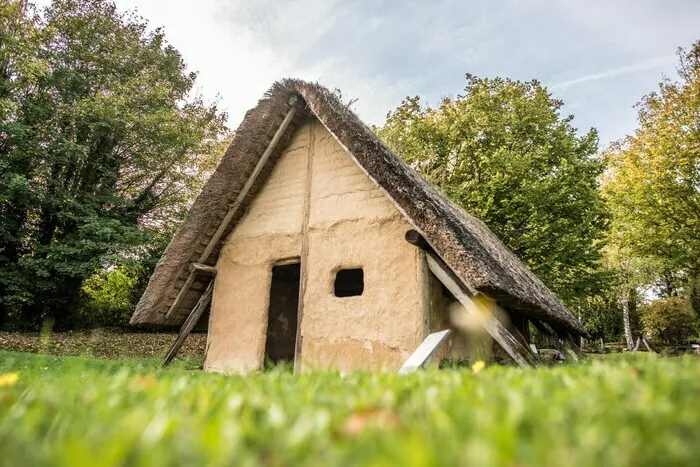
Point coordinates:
pixel 570 341
pixel 190 323
pixel 648 345
pixel 303 274
pixel 464 293
pixel 203 269
pixel 519 336
pixel 500 334
pixel 214 241
pixel 554 340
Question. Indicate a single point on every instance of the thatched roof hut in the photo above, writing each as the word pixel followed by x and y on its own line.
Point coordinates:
pixel 465 244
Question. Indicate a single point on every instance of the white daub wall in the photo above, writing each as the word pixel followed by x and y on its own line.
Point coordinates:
pixel 317 194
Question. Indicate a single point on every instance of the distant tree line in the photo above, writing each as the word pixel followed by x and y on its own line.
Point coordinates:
pixel 104 145
pixel 616 235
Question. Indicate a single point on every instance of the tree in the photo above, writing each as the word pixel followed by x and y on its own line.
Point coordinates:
pixel 631 275
pixel 669 320
pixel 503 152
pixel 652 185
pixel 102 146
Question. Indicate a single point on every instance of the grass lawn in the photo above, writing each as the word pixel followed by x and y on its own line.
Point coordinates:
pixel 85 411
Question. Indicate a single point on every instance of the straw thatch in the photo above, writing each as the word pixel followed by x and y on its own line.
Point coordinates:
pixel 475 254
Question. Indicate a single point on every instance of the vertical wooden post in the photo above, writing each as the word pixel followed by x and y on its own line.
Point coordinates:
pixel 304 245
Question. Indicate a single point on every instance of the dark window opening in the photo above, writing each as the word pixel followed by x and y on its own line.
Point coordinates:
pixel 280 345
pixel 349 282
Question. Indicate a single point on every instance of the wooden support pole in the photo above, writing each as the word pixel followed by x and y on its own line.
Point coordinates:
pixel 214 241
pixel 190 323
pixel 554 340
pixel 519 336
pixel 570 341
pixel 463 293
pixel 203 269
pixel 303 260
pixel 647 345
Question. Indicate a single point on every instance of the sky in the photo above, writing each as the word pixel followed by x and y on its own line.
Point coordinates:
pixel 599 56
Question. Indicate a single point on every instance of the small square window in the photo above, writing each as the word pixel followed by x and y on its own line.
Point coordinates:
pixel 349 282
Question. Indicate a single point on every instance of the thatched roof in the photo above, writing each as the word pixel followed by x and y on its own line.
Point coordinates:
pixel 465 243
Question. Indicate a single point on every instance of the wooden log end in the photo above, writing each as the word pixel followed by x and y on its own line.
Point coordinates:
pixel 203 269
pixel 415 238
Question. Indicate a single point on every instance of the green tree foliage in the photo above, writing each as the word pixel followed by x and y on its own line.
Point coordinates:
pixel 102 145
pixel 109 297
pixel 694 294
pixel 601 316
pixel 503 152
pixel 669 320
pixel 653 183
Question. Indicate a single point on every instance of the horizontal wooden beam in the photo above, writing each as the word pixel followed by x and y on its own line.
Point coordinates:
pixel 214 241
pixel 203 269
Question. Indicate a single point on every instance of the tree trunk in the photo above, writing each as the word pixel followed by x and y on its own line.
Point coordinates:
pixel 626 320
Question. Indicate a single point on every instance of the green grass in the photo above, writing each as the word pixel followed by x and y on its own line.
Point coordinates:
pixel 84 411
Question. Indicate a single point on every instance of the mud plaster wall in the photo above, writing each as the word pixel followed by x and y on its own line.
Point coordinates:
pixel 270 231
pixel 351 223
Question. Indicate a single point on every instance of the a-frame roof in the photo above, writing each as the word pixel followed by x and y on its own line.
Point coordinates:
pixel 465 243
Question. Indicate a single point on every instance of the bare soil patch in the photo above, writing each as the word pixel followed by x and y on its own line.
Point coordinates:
pixel 103 343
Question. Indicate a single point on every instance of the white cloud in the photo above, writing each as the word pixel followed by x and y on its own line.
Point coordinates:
pixel 381 51
pixel 654 64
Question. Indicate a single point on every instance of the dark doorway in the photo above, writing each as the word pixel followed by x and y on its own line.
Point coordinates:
pixel 282 315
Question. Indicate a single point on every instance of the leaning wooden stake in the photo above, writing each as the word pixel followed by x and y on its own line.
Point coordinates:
pixel 190 323
pixel 520 338
pixel 647 345
pixel 570 341
pixel 234 207
pixel 464 293
pixel 554 340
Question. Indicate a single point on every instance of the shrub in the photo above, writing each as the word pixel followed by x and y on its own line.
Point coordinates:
pixel 669 320
pixel 109 297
